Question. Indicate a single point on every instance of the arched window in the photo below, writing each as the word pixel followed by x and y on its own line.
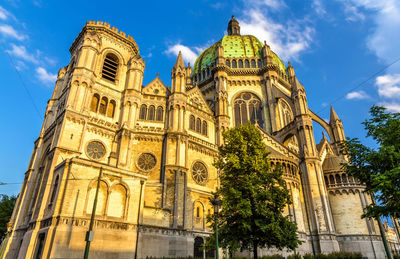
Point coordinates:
pixel 103 105
pixel 331 180
pixel 240 63
pixel 259 63
pixel 208 72
pixel 95 103
pixel 143 112
pixel 285 113
pixel 344 178
pixel 110 67
pixel 160 113
pixel 101 198
pixel 116 205
pixel 111 109
pixel 204 129
pixel 338 179
pixel 234 64
pixel 55 187
pixel 204 74
pixel 247 107
pixel 228 63
pixel 253 63
pixel 246 63
pixel 198 125
pixel 192 123
pixel 151 115
pixel 195 78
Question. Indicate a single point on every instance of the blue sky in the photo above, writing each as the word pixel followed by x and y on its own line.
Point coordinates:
pixel 333 45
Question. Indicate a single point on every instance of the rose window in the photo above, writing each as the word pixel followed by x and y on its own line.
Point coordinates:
pixel 146 161
pixel 95 150
pixel 199 173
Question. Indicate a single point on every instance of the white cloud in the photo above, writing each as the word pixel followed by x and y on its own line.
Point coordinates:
pixel 4 14
pixel 9 31
pixel 391 106
pixel 287 40
pixel 188 54
pixel 318 8
pixel 21 52
pixel 388 86
pixel 384 38
pixel 360 95
pixel 44 76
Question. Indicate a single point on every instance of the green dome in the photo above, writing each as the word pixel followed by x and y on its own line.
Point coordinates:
pixel 235 46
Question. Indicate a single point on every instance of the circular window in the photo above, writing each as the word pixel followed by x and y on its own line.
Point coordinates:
pixel 199 173
pixel 95 150
pixel 146 161
pixel 156 91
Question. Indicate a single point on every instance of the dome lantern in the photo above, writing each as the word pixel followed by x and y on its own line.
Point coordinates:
pixel 233 27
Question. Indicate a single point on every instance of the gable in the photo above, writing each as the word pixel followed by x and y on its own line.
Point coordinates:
pixel 156 87
pixel 196 99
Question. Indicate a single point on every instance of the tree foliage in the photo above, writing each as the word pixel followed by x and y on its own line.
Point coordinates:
pixel 253 195
pixel 6 208
pixel 379 168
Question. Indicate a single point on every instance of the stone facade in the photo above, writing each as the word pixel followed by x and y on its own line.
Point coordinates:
pixel 154 146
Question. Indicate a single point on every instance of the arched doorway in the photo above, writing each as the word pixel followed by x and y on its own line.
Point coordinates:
pixel 198 247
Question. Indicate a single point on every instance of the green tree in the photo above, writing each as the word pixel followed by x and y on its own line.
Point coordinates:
pixel 6 208
pixel 253 195
pixel 378 168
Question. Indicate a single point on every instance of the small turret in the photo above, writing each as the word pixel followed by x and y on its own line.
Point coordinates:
pixel 178 74
pixel 189 74
pixel 233 27
pixel 220 55
pixel 290 71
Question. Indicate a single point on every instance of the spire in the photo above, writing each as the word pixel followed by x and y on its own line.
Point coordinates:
pixel 233 27
pixel 179 62
pixel 334 116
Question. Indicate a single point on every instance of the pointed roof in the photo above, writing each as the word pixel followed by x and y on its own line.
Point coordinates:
pixel 296 86
pixel 334 116
pixel 179 62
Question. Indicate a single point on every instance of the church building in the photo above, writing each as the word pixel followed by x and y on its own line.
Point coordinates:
pixel 153 147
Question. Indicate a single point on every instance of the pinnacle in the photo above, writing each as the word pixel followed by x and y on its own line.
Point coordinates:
pixel 179 62
pixel 334 116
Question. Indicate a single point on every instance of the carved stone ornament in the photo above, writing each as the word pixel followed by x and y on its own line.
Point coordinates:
pixel 199 173
pixel 95 150
pixel 146 161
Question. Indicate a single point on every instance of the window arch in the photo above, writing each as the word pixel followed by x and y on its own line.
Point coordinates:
pixel 192 123
pixel 111 109
pixel 246 63
pixel 101 198
pixel 110 67
pixel 204 74
pixel 160 113
pixel 55 187
pixel 253 63
pixel 247 107
pixel 95 103
pixel 259 63
pixel 204 128
pixel 285 113
pixel 228 63
pixel 103 105
pixel 198 125
pixel 151 115
pixel 234 64
pixel 143 112
pixel 240 63
pixel 116 205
